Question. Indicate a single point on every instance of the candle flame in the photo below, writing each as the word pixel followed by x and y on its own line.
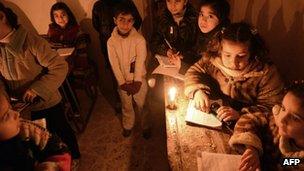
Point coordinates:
pixel 172 93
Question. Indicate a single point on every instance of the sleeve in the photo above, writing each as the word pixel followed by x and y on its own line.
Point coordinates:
pixel 247 132
pixel 113 58
pixel 55 65
pixel 158 45
pixel 194 78
pixel 141 52
pixel 270 91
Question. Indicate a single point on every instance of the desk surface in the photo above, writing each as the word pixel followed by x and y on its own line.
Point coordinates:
pixel 183 141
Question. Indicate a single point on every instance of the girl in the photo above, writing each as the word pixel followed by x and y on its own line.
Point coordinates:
pixel 235 69
pixel 213 17
pixel 30 69
pixel 64 28
pixel 271 138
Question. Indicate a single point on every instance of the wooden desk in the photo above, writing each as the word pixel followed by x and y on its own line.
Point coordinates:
pixel 183 140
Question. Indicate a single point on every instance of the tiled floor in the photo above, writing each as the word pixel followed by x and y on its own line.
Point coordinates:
pixel 104 148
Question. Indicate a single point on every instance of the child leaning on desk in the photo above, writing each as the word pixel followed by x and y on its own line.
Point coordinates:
pixel 265 140
pixel 235 68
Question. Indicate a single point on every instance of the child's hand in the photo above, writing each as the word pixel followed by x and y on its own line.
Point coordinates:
pixel 170 53
pixel 135 87
pixel 250 160
pixel 176 60
pixel 126 87
pixel 226 113
pixel 29 96
pixel 201 101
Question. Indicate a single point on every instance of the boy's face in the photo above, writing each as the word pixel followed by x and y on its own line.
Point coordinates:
pixel 290 117
pixel 124 23
pixel 207 20
pixel 176 7
pixel 234 55
pixel 61 18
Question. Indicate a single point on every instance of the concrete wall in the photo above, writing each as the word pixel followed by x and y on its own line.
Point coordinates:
pixel 280 22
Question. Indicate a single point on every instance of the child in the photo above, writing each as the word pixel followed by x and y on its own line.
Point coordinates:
pixel 25 78
pixel 235 69
pixel 25 145
pixel 64 28
pixel 127 54
pixel 175 33
pixel 265 141
pixel 213 17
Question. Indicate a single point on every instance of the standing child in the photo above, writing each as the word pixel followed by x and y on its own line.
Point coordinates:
pixel 235 69
pixel 175 33
pixel 127 54
pixel 265 141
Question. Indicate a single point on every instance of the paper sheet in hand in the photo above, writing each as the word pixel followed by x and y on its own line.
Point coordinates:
pixel 65 51
pixel 217 161
pixel 201 118
pixel 164 61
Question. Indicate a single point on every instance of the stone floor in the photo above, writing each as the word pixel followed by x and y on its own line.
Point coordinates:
pixel 104 148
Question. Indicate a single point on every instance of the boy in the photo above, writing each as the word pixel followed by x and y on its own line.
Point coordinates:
pixel 127 54
pixel 25 145
pixel 175 33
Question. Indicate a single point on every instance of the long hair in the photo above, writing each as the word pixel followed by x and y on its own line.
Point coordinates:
pixel 297 89
pixel 241 33
pixel 221 9
pixel 12 18
pixel 62 6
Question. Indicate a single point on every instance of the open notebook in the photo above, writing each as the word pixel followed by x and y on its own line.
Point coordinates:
pixel 201 118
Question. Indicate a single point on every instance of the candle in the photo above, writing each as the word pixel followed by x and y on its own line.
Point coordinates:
pixel 172 95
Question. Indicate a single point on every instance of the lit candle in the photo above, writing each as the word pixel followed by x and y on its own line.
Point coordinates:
pixel 172 95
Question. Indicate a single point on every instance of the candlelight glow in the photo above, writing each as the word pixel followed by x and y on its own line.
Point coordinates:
pixel 172 93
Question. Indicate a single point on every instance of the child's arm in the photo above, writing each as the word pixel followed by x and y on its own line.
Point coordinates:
pixel 113 58
pixel 158 45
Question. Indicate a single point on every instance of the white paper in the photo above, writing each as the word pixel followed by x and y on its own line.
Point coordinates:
pixel 201 118
pixel 172 72
pixel 65 51
pixel 164 61
pixel 217 161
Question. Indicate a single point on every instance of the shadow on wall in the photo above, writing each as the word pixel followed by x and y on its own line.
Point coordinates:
pixel 285 45
pixel 22 17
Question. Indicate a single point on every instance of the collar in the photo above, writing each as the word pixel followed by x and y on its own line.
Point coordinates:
pixel 16 40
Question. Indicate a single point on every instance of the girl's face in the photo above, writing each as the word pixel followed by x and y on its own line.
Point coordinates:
pixel 234 55
pixel 207 20
pixel 290 117
pixel 124 23
pixel 176 7
pixel 9 127
pixel 61 18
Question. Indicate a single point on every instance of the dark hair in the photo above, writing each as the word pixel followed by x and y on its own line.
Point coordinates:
pixel 297 89
pixel 11 17
pixel 124 8
pixel 242 33
pixel 220 7
pixel 62 6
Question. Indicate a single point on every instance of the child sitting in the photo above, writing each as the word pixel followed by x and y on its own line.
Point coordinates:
pixel 235 70
pixel 213 17
pixel 64 28
pixel 25 145
pixel 127 54
pixel 265 140
pixel 175 33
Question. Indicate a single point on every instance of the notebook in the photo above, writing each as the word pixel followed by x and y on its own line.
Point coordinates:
pixel 164 61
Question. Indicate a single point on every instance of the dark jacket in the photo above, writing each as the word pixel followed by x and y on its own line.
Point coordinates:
pixel 181 37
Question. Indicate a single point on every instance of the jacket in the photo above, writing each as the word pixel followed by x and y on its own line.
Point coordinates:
pixel 66 36
pixel 123 52
pixel 258 88
pixel 260 131
pixel 181 37
pixel 28 62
